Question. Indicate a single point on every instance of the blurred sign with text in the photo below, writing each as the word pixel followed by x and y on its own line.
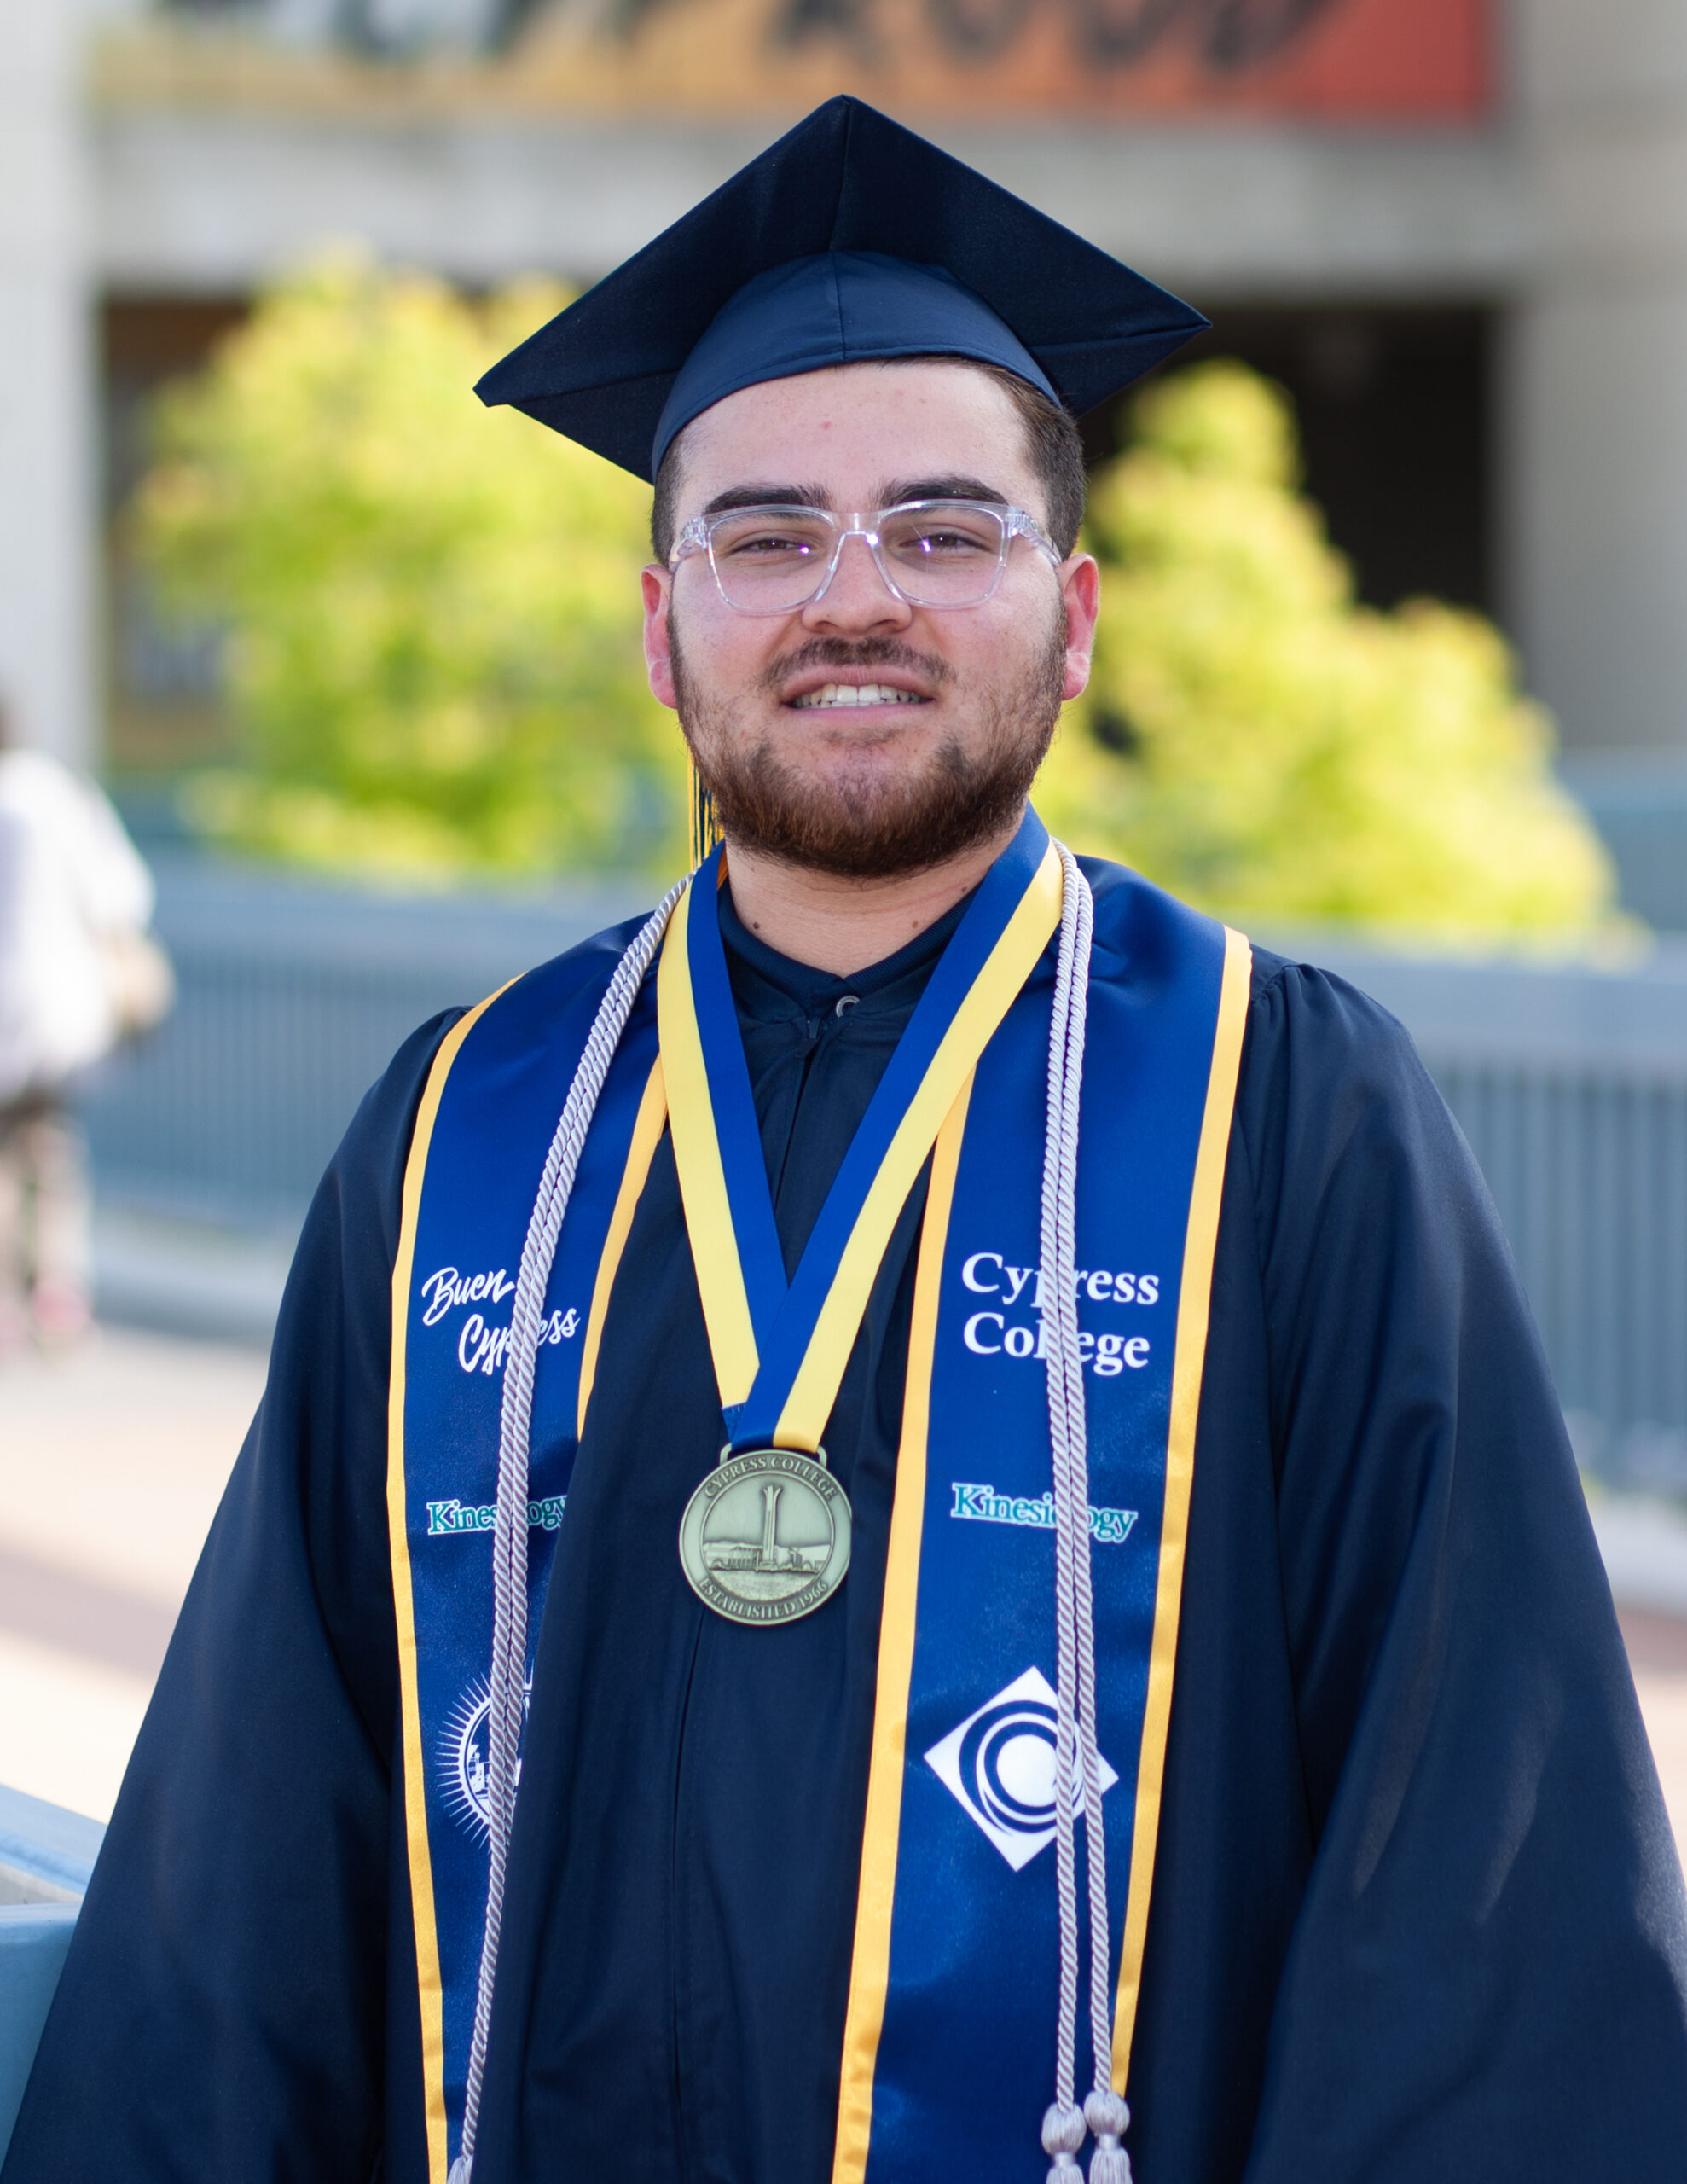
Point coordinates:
pixel 1339 60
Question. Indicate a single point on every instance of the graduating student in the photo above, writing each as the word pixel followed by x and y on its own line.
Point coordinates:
pixel 917 1495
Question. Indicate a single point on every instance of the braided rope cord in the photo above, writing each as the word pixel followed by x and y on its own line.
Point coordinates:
pixel 1062 2124
pixel 508 1674
pixel 1076 1757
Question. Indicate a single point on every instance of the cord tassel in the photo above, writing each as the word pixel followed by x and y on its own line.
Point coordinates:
pixel 1109 2117
pixel 1063 2140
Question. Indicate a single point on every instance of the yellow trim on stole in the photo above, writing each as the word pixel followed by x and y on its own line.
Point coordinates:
pixel 648 1128
pixel 870 1967
pixel 430 1991
pixel 703 1183
pixel 1009 964
pixel 1188 1358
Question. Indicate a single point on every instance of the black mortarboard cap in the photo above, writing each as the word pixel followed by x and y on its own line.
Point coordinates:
pixel 850 239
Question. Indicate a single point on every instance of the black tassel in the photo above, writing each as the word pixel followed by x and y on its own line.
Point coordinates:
pixel 705 830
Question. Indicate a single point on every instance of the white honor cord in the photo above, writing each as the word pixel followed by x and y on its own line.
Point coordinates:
pixel 1077 1764
pixel 1063 2125
pixel 508 1676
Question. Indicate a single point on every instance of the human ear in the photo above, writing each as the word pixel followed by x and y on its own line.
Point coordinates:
pixel 657 586
pixel 1081 595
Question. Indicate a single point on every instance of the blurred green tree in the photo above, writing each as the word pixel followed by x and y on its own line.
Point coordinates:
pixel 1260 744
pixel 432 609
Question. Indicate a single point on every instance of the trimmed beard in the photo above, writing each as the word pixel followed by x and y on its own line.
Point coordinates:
pixel 957 799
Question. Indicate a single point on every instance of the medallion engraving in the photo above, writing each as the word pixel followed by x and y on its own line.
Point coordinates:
pixel 765 1536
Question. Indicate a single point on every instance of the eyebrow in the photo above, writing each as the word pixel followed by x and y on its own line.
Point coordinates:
pixel 768 497
pixel 950 487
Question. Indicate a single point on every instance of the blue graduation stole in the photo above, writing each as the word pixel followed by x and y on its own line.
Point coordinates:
pixel 948 2038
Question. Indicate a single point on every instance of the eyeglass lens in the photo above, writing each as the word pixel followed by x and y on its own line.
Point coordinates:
pixel 937 552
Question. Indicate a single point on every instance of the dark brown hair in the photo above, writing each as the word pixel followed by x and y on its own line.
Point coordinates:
pixel 1051 435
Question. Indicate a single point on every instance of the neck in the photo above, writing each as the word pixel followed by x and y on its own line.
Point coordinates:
pixel 840 925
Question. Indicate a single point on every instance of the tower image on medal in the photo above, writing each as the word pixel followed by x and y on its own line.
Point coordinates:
pixel 766 1558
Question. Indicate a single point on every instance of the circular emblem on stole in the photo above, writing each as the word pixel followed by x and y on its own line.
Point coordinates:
pixel 765 1536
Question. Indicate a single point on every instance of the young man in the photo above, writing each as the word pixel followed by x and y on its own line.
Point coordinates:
pixel 978 1439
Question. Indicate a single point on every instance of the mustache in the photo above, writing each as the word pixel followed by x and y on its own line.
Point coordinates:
pixel 857 652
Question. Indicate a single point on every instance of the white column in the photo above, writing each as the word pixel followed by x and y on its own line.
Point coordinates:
pixel 48 530
pixel 1593 394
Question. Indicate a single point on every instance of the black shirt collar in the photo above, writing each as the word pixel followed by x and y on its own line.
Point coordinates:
pixel 766 984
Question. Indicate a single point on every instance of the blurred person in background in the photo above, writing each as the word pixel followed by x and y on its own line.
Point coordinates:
pixel 79 972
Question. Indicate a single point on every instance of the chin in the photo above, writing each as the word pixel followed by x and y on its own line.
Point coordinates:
pixel 885 736
pixel 870 820
pixel 862 784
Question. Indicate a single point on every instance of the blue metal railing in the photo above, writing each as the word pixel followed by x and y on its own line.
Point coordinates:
pixel 292 1000
pixel 46 1857
pixel 1569 1082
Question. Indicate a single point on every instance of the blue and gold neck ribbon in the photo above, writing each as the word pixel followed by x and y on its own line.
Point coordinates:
pixel 780 1349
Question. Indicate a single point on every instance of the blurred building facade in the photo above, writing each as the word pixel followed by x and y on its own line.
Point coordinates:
pixel 1456 228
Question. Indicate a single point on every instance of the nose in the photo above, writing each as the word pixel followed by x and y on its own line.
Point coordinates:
pixel 857 597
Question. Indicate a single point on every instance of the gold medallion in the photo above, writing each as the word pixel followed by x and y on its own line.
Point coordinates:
pixel 765 1536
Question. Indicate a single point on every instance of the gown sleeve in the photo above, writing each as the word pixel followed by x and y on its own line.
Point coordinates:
pixel 222 2009
pixel 1487 1974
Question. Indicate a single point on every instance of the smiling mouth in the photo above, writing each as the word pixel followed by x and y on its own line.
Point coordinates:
pixel 858 693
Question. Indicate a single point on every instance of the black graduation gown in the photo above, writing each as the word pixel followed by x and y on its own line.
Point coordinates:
pixel 1417 1913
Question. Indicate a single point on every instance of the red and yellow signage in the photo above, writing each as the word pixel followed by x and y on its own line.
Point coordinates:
pixel 1337 60
pixel 1334 60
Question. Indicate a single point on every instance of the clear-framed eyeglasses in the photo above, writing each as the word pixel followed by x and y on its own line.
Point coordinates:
pixel 771 560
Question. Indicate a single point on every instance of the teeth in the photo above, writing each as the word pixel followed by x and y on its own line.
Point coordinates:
pixel 858 694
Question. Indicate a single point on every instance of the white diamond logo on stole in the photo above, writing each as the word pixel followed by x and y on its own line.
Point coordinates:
pixel 999 1767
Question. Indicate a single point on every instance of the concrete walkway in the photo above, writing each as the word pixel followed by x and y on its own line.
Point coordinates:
pixel 112 1459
